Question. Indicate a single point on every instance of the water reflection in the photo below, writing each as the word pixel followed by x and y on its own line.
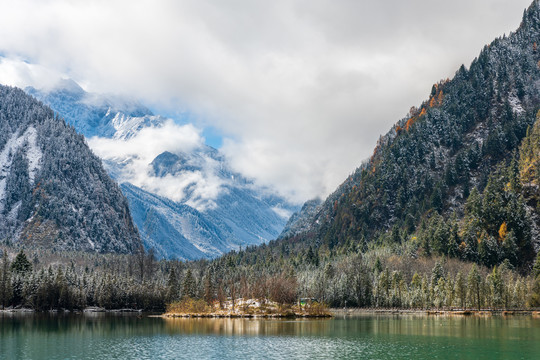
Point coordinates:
pixel 248 327
pixel 410 325
pixel 88 323
pixel 100 336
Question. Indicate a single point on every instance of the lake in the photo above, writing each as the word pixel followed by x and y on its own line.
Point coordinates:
pixel 109 336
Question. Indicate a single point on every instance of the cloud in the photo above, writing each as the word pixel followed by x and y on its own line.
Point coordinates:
pixel 16 72
pixel 198 188
pixel 154 141
pixel 301 89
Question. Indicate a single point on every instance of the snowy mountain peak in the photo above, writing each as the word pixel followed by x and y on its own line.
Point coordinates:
pixel 68 86
pixel 95 114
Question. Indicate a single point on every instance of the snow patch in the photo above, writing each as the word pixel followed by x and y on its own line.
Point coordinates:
pixel 515 103
pixel 129 126
pixel 92 244
pixel 33 154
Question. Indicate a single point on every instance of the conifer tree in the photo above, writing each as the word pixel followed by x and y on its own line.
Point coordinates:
pixel 21 265
pixel 6 290
pixel 460 290
pixel 172 286
pixel 474 282
pixel 189 286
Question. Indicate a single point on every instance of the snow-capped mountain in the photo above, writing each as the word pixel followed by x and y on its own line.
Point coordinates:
pixel 185 199
pixel 54 192
pixel 171 228
pixel 96 115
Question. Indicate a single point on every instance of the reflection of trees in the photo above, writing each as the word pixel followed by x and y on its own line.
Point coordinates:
pixel 249 327
pixel 83 324
pixel 35 327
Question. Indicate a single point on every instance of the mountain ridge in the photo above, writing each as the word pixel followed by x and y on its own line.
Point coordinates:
pixel 54 191
pixel 431 160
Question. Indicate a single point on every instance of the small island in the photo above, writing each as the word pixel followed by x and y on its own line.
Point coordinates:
pixel 246 308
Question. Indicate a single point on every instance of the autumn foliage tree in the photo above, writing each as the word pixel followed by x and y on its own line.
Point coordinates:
pixel 283 289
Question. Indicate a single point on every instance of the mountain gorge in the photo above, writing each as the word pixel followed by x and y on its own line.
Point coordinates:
pixel 186 202
pixel 54 191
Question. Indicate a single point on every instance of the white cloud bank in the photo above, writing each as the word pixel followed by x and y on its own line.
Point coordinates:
pixel 198 189
pixel 301 88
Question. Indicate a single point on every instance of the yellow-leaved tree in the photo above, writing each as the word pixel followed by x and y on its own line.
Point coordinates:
pixel 529 157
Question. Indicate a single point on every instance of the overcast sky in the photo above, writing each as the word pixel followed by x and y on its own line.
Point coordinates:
pixel 299 90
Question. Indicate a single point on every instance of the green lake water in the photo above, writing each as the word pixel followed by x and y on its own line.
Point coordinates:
pixel 106 336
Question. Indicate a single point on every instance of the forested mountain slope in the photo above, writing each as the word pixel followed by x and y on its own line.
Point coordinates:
pixel 450 169
pixel 54 191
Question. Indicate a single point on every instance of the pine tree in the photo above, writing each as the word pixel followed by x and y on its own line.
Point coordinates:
pixel 415 291
pixel 172 286
pixel 209 289
pixel 496 287
pixel 436 273
pixel 453 241
pixel 6 290
pixel 474 282
pixel 460 290
pixel 536 267
pixel 21 265
pixel 189 286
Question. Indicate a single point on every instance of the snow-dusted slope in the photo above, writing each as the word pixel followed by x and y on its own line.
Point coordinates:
pixel 32 153
pixel 173 229
pixel 185 199
pixel 97 115
pixel 301 221
pixel 54 192
pixel 457 140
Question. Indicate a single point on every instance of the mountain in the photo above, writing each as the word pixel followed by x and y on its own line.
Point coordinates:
pixel 172 228
pixel 189 204
pixel 238 214
pixel 96 115
pixel 301 221
pixel 444 178
pixel 54 191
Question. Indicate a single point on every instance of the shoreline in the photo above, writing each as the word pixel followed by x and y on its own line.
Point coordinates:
pixel 243 316
pixel 424 312
pixel 89 310
pixel 332 312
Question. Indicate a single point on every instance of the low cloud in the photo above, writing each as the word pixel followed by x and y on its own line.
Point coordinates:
pixel 300 89
pixel 153 140
pixel 134 156
pixel 16 72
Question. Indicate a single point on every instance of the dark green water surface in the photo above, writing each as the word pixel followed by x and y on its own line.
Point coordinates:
pixel 105 336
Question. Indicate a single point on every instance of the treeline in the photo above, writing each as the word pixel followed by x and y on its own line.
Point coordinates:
pixel 381 278
pixel 392 278
pixel 107 281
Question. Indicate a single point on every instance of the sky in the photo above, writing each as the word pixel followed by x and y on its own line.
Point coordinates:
pixel 294 92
